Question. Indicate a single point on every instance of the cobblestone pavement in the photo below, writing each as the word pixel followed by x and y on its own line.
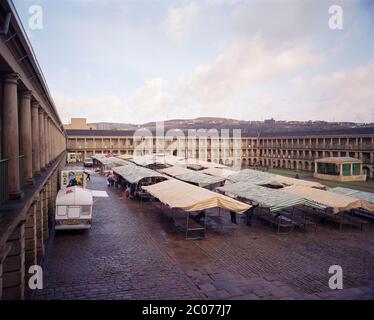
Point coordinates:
pixel 134 252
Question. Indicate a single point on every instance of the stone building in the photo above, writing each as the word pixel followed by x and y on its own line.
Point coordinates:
pixel 295 151
pixel 32 148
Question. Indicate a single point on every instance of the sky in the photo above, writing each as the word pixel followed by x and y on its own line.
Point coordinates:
pixel 152 60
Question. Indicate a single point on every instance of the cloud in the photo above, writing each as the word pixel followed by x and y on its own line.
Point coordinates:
pixel 181 21
pixel 241 67
pixel 297 83
pixel 344 95
pixel 149 102
pixel 92 107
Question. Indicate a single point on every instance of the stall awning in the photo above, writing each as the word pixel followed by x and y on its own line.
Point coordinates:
pixel 125 157
pixel 218 172
pixel 187 197
pixel 273 199
pixel 288 181
pixel 250 175
pixel 133 174
pixel 113 161
pixel 338 202
pixel 200 179
pixel 362 195
pixel 265 178
pixel 175 171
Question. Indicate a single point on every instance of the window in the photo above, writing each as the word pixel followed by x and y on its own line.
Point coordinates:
pixel 327 168
pixel 346 169
pixel 356 169
pixel 86 210
pixel 61 210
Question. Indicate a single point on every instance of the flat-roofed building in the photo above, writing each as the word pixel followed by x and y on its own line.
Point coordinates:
pixel 339 169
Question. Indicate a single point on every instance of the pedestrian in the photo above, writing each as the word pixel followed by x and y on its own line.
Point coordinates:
pixel 88 176
pixel 249 213
pixel 72 180
pixel 127 192
pixel 233 217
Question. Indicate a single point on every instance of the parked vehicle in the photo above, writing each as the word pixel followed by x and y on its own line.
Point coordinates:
pixel 73 209
pixel 88 162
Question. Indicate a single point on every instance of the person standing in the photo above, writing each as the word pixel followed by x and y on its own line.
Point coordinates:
pixel 233 217
pixel 249 213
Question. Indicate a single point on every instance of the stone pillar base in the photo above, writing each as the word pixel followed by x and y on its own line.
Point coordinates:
pixel 29 181
pixel 14 266
pixel 16 195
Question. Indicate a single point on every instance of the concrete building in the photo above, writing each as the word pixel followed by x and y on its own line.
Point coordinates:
pixel 285 150
pixel 32 148
pixel 79 124
pixel 339 169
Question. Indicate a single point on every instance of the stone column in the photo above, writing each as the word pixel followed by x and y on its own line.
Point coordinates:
pixel 45 214
pixel 26 135
pixel 14 266
pixel 35 137
pixel 30 239
pixel 41 140
pixel 46 143
pixel 50 140
pixel 10 140
pixel 39 229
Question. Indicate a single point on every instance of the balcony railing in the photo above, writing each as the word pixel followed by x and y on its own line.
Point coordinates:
pixel 4 180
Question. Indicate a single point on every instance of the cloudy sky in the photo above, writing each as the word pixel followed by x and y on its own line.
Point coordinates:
pixel 150 60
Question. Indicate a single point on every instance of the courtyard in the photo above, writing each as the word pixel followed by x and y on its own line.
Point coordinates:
pixel 133 251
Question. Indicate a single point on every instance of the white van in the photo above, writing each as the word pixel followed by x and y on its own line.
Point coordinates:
pixel 73 209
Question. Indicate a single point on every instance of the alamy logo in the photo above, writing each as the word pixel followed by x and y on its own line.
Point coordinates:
pixel 336 280
pixel 36 278
pixel 36 17
pixel 336 17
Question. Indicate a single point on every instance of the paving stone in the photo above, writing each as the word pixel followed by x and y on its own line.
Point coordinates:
pixel 134 252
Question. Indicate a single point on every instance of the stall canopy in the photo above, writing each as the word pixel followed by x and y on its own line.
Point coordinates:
pixel 219 172
pixel 124 156
pixel 252 176
pixel 157 158
pixel 362 195
pixel 187 197
pixel 338 202
pixel 273 199
pixel 200 179
pixel 201 163
pixel 274 180
pixel 175 171
pixel 98 156
pixel 288 181
pixel 113 161
pixel 133 174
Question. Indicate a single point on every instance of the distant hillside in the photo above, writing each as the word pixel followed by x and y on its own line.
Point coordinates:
pixel 247 127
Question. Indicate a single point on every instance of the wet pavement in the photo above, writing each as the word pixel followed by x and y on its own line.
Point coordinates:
pixel 133 252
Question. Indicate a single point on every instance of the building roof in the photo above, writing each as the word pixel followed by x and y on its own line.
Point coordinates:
pixel 289 134
pixel 338 160
pixel 338 132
